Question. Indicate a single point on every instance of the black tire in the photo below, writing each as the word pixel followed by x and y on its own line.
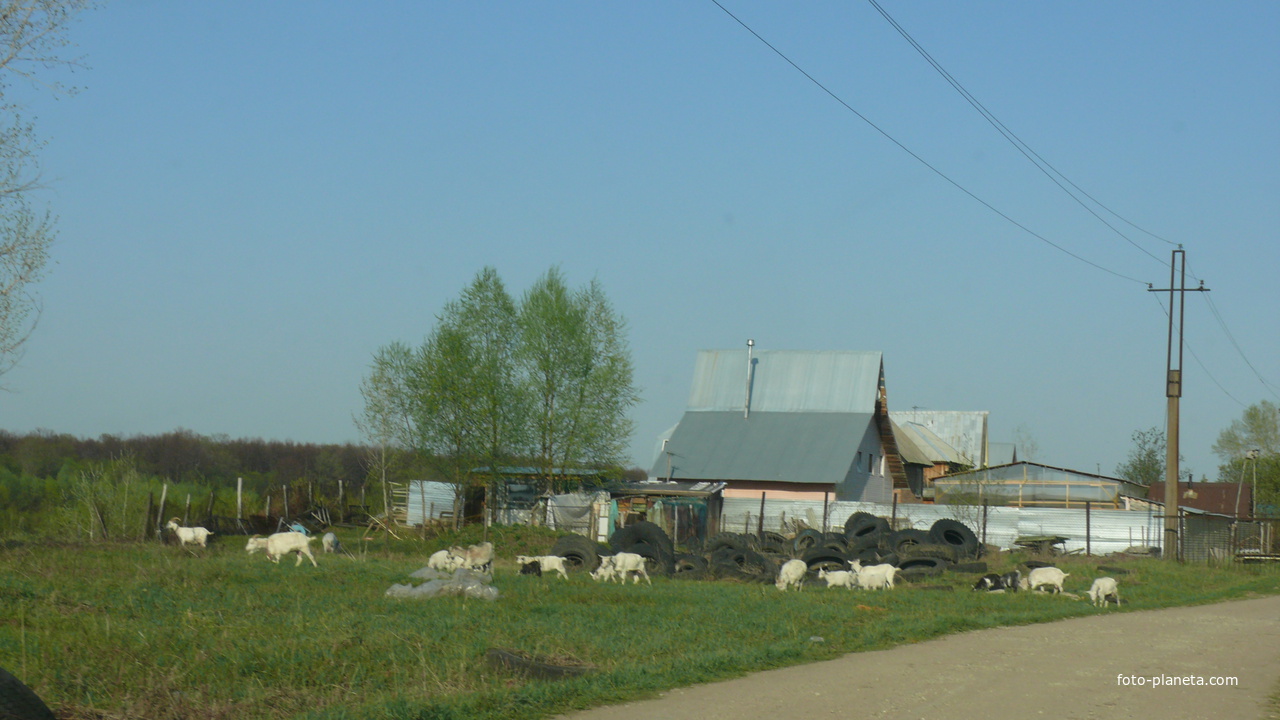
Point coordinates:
pixel 1112 570
pixel 945 552
pixel 775 544
pixel 857 520
pixel 977 568
pixel 822 558
pixel 690 567
pixel 868 556
pixel 19 701
pixel 721 541
pixel 957 535
pixel 902 538
pixel 1033 564
pixel 868 530
pixel 738 562
pixel 922 567
pixel 642 532
pixel 657 560
pixel 806 540
pixel 529 665
pixel 578 552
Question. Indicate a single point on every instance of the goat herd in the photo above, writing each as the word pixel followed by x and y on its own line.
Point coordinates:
pixel 635 548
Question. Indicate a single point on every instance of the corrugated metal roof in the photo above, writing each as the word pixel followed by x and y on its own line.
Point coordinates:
pixel 907 447
pixel 934 447
pixel 966 431
pixel 835 381
pixel 804 447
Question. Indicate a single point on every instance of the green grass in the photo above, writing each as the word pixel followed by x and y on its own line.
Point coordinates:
pixel 152 631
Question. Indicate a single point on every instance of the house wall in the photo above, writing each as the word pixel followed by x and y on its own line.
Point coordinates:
pixel 747 489
pixel 868 480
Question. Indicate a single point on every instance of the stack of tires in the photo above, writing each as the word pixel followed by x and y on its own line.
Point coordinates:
pixel 946 545
pixel 744 557
pixel 649 542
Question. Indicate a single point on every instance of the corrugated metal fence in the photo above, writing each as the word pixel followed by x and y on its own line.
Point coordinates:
pixel 1102 531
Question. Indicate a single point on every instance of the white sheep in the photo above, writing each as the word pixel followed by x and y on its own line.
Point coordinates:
pixel 791 574
pixel 1102 589
pixel 877 577
pixel 839 578
pixel 330 542
pixel 547 563
pixel 281 544
pixel 1045 576
pixel 195 535
pixel 619 566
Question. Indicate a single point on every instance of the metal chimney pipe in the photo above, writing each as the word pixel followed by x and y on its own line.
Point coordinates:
pixel 746 409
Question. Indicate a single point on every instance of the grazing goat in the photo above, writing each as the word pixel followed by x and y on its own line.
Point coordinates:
pixel 194 535
pixel 993 582
pixel 619 566
pixel 531 568
pixel 877 577
pixel 281 544
pixel 792 575
pixel 839 578
pixel 330 542
pixel 546 563
pixel 1040 577
pixel 444 560
pixel 475 557
pixel 1104 589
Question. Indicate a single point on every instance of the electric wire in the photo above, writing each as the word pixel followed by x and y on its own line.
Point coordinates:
pixel 917 157
pixel 1222 324
pixel 1196 357
pixel 1044 166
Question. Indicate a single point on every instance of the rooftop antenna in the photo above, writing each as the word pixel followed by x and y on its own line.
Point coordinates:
pixel 746 409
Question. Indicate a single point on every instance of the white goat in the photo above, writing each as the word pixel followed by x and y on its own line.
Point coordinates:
pixel 194 535
pixel 330 542
pixel 281 544
pixel 444 560
pixel 1102 589
pixel 621 565
pixel 475 557
pixel 1045 576
pixel 547 563
pixel 791 574
pixel 877 577
pixel 839 578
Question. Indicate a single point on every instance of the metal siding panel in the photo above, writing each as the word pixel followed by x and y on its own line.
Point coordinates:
pixel 428 499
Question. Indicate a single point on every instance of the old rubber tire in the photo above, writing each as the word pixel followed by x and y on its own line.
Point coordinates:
pixel 911 550
pixel 922 567
pixel 579 552
pixel 957 535
pixel 977 567
pixel 805 540
pixel 902 538
pixel 867 529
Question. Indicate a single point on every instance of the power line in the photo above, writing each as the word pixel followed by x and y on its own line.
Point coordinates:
pixel 1222 323
pixel 1022 147
pixel 919 159
pixel 1196 357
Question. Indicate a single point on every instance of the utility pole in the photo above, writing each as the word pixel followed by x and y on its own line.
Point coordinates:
pixel 1173 391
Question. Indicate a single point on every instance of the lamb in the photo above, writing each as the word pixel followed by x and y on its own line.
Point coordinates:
pixel 877 577
pixel 1104 589
pixel 792 575
pixel 546 563
pixel 194 535
pixel 839 578
pixel 281 544
pixel 444 560
pixel 331 544
pixel 1040 577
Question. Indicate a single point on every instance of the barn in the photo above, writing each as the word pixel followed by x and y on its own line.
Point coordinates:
pixel 794 424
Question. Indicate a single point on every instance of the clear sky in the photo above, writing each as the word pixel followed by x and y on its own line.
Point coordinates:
pixel 253 197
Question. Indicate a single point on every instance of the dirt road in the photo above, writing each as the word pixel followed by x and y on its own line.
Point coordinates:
pixel 1065 670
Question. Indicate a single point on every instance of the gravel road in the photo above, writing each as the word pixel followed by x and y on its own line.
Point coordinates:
pixel 1066 670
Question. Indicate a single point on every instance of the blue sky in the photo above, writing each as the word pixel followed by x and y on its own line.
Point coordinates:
pixel 253 197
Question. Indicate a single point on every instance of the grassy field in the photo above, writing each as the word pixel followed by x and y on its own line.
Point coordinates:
pixel 155 631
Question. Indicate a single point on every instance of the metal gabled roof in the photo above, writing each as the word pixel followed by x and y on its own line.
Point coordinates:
pixel 907 447
pixel 928 443
pixel 963 431
pixel 821 381
pixel 802 447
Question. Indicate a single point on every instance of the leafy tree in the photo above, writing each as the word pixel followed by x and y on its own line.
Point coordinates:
pixel 579 373
pixel 1250 452
pixel 1147 458
pixel 32 36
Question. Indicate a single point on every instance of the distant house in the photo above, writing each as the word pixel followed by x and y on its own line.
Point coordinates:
pixel 1028 484
pixel 1223 498
pixel 793 424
